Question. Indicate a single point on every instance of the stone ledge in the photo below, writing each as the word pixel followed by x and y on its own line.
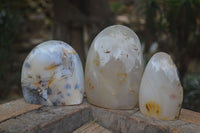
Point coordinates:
pixel 15 108
pixel 52 119
pixel 134 121
pixel 91 127
pixel 20 117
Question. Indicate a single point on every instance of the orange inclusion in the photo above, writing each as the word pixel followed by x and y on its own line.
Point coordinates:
pixel 164 118
pixel 51 67
pixel 132 90
pixel 96 62
pixel 107 52
pixel 37 84
pixel 51 80
pixel 122 77
pixel 90 86
pixel 73 52
pixel 153 108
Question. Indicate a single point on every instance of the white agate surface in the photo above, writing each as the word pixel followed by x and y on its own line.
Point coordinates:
pixel 52 74
pixel 161 93
pixel 114 68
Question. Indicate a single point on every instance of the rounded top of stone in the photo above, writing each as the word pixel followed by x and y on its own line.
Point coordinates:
pixel 162 54
pixel 162 61
pixel 118 42
pixel 118 33
pixel 54 44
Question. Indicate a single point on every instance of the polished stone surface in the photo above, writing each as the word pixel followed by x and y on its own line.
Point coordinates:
pixel 114 68
pixel 52 74
pixel 161 93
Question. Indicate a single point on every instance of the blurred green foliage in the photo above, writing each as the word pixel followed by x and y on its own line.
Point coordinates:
pixel 175 25
pixel 9 24
pixel 191 86
pixel 175 18
pixel 9 21
pixel 117 7
pixel 14 16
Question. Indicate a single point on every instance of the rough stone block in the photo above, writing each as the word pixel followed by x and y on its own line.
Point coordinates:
pixel 66 119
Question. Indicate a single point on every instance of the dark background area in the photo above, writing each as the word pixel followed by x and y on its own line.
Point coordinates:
pixel 172 26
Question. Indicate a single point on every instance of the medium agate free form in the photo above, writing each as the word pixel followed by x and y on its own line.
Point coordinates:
pixel 52 75
pixel 114 68
pixel 161 93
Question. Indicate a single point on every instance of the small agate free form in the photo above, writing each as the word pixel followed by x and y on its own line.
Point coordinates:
pixel 161 93
pixel 52 74
pixel 114 68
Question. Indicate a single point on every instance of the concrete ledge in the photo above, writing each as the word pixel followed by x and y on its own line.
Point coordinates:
pixel 21 117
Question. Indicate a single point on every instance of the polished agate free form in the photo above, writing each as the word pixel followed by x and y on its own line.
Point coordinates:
pixel 52 74
pixel 114 68
pixel 161 93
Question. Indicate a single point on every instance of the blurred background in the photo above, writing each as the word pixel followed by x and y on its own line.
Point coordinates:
pixel 172 26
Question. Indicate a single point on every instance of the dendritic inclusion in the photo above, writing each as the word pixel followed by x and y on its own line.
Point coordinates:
pixel 52 74
pixel 114 68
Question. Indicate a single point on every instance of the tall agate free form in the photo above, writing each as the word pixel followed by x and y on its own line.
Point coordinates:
pixel 161 93
pixel 52 74
pixel 114 68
